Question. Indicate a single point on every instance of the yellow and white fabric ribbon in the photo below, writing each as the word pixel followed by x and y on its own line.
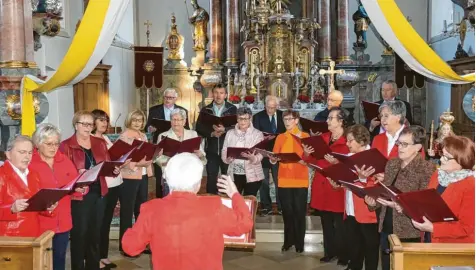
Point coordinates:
pixel 407 43
pixel 92 41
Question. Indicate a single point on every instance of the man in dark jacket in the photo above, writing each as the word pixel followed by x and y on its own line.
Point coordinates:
pixel 389 92
pixel 162 111
pixel 334 99
pixel 215 137
pixel 270 121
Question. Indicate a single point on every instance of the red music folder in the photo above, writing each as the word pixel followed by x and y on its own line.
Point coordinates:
pixel 382 191
pixel 428 203
pixel 338 173
pixel 235 152
pixel 371 157
pixel 370 110
pixel 119 148
pixel 46 197
pixel 316 126
pixel 321 148
pixel 108 167
pixel 283 157
pixel 355 188
pixel 144 149
pixel 172 147
pixel 161 125
pixel 210 120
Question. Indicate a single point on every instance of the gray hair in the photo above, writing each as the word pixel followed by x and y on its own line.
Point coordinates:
pixel 171 90
pixel 17 139
pixel 392 83
pixel 184 173
pixel 180 112
pixel 243 111
pixel 396 107
pixel 44 131
pixel 271 97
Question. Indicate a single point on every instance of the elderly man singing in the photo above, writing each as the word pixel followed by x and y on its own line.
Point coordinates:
pixel 185 231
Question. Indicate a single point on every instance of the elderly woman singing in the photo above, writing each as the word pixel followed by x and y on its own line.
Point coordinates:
pixel 55 171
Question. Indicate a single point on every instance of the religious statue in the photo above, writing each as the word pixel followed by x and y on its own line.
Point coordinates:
pixel 445 130
pixel 245 30
pixel 280 5
pixel 174 42
pixel 199 20
pixel 361 25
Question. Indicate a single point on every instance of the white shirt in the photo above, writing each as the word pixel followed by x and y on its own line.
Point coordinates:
pixel 23 175
pixel 393 140
pixel 167 112
pixel 349 200
pixel 275 119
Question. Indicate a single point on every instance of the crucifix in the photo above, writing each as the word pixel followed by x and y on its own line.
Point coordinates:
pixel 148 24
pixel 331 72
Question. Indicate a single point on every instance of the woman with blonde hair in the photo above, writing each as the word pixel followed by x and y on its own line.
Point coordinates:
pixel 135 176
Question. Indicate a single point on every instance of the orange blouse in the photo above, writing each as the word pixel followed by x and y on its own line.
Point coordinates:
pixel 291 175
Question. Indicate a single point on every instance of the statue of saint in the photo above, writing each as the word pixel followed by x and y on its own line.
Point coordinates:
pixel 445 130
pixel 361 25
pixel 199 20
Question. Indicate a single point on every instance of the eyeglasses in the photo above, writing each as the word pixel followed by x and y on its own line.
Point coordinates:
pixel 332 117
pixel 288 119
pixel 137 120
pixel 446 158
pixel 49 144
pixel 169 98
pixel 244 118
pixel 86 125
pixel 177 120
pixel 403 144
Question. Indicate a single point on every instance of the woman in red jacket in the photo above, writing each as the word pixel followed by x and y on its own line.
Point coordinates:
pixel 360 223
pixel 55 170
pixel 17 185
pixel 454 180
pixel 328 201
pixel 87 208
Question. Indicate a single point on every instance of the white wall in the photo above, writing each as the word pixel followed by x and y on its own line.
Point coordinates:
pixel 122 94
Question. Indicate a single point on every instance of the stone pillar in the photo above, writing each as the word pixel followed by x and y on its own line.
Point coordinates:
pixel 343 32
pixel 216 37
pixel 12 34
pixel 232 33
pixel 308 9
pixel 324 34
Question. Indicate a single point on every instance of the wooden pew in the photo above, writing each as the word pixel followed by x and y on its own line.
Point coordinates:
pixel 27 252
pixel 422 256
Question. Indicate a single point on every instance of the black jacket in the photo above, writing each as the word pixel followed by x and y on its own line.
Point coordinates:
pixel 376 130
pixel 157 112
pixel 213 144
pixel 261 122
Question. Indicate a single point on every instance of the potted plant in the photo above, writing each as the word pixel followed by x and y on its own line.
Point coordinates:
pixel 249 100
pixel 235 100
pixel 304 100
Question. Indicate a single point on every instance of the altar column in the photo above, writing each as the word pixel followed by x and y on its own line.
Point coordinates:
pixel 324 34
pixel 14 35
pixel 343 31
pixel 216 37
pixel 232 33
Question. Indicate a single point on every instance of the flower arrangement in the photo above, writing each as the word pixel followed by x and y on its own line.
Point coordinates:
pixel 319 97
pixel 250 99
pixel 303 99
pixel 235 99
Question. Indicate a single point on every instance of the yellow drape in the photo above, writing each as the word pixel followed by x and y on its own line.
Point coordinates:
pixel 415 45
pixel 78 55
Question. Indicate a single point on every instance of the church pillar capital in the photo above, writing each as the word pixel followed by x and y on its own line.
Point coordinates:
pixel 232 33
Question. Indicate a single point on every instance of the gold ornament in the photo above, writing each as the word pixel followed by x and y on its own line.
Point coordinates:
pixel 149 65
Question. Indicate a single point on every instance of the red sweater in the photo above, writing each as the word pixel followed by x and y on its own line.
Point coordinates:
pixel 460 198
pixel 323 196
pixel 62 173
pixel 185 231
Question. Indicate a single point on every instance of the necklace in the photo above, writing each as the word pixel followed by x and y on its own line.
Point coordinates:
pixel 90 158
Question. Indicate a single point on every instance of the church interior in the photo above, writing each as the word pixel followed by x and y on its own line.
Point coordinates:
pixel 61 57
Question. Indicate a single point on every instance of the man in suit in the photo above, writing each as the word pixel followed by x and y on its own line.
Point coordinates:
pixel 215 136
pixel 334 99
pixel 162 111
pixel 269 120
pixel 389 92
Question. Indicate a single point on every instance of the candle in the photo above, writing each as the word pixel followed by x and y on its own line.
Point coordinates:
pixel 445 26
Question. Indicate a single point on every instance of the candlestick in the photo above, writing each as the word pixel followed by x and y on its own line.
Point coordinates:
pixel 431 135
pixel 445 26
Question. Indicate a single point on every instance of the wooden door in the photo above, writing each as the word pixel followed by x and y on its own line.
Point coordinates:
pixel 93 91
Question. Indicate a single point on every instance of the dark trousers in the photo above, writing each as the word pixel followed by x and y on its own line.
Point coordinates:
pixel 127 196
pixel 142 195
pixel 214 163
pixel 158 181
pixel 111 201
pixel 333 231
pixel 60 245
pixel 245 188
pixel 294 207
pixel 385 248
pixel 87 216
pixel 264 192
pixel 364 244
